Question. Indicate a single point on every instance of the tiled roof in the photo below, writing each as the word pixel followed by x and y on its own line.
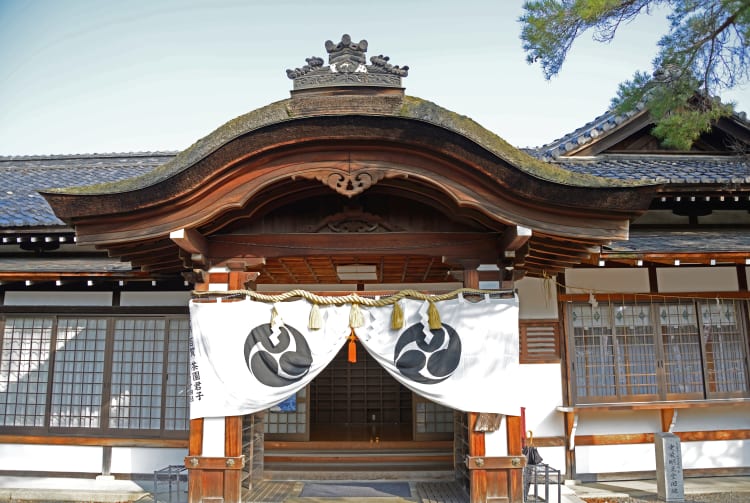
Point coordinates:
pixel 678 169
pixel 693 241
pixel 21 178
pixel 584 134
pixel 598 127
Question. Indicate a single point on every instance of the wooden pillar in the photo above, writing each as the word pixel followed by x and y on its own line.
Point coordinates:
pixel 495 479
pixel 514 433
pixel 215 459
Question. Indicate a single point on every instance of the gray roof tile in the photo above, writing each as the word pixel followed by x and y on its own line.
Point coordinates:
pixel 677 169
pixel 21 178
pixel 685 241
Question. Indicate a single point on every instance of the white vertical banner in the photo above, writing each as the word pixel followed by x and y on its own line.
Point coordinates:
pixel 470 363
pixel 246 358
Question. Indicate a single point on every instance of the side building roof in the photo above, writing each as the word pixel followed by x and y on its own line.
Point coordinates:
pixel 21 179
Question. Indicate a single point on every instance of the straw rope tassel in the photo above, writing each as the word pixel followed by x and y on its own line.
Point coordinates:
pixel 356 319
pixel 397 317
pixel 315 321
pixel 433 317
pixel 274 316
pixel 352 348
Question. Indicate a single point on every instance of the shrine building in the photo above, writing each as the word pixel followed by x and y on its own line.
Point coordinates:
pixel 443 298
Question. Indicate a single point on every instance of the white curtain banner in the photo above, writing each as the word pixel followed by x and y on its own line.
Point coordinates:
pixel 470 363
pixel 247 356
pixel 242 363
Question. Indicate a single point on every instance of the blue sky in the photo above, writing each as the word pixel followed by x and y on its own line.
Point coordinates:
pixel 95 76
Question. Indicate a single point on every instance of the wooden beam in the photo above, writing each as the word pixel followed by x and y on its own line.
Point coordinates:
pixel 668 419
pixel 454 245
pixel 648 438
pixel 179 443
pixel 514 237
pixel 190 240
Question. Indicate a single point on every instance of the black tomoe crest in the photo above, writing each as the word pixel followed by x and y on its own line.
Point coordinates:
pixel 281 363
pixel 427 363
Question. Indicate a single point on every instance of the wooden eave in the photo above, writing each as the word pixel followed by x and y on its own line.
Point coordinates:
pixel 314 148
pixel 286 161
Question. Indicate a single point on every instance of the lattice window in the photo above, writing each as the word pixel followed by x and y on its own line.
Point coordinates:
pixel 674 350
pixel 431 417
pixel 24 371
pixel 539 341
pixel 137 360
pixel 681 340
pixel 176 415
pixel 78 377
pixel 65 373
pixel 289 417
pixel 593 351
pixel 725 349
pixel 635 351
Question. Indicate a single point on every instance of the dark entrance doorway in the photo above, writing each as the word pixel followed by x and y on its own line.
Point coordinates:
pixel 359 402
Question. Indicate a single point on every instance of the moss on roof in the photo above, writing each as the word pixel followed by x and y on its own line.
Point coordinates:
pixel 411 108
pixel 419 109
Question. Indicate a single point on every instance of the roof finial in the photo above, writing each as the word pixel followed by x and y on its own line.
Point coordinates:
pixel 347 67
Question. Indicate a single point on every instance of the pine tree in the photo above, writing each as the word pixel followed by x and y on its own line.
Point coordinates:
pixel 706 50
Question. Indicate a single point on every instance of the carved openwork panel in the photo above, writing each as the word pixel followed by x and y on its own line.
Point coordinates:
pixel 354 221
pixel 347 183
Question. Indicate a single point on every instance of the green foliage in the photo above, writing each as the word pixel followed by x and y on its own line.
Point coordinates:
pixel 706 50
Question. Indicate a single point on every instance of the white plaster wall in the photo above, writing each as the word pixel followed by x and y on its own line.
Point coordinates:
pixel 554 457
pixel 618 421
pixel 709 454
pixel 715 417
pixel 58 298
pixel 615 458
pixel 496 443
pixel 537 299
pixel 145 460
pixel 626 280
pixel 642 457
pixel 154 298
pixel 697 279
pixel 542 384
pixel 716 454
pixel 50 458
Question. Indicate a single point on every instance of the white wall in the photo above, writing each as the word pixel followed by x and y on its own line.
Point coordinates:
pixel 53 298
pixel 625 280
pixel 706 454
pixel 697 279
pixel 58 298
pixel 154 298
pixel 615 458
pixel 716 454
pixel 618 421
pixel 537 299
pixel 145 460
pixel 541 391
pixel 50 458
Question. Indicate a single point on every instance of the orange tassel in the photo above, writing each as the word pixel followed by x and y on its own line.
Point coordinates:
pixel 352 349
